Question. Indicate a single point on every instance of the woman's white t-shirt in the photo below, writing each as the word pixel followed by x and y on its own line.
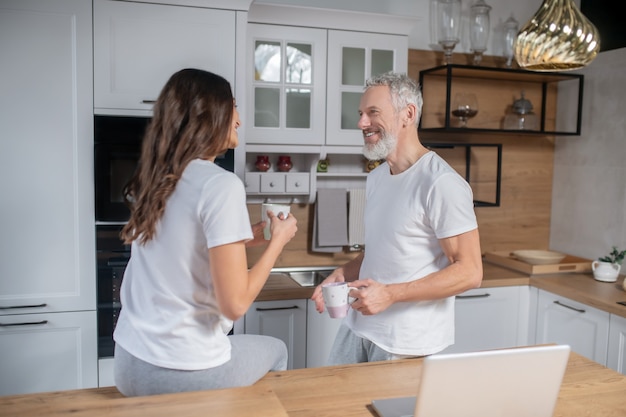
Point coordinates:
pixel 405 216
pixel 169 316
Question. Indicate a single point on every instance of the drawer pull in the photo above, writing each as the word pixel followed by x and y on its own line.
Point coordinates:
pixel 485 295
pixel 26 323
pixel 276 308
pixel 579 310
pixel 148 101
pixel 25 306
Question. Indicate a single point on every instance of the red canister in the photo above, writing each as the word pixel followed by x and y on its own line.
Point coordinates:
pixel 284 163
pixel 262 163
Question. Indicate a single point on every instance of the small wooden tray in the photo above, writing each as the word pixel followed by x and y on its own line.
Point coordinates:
pixel 569 264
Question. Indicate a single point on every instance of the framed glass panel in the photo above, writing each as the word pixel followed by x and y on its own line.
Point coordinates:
pixel 267 61
pixel 353 66
pixel 350 110
pixel 382 61
pixel 266 107
pixel 298 66
pixel 298 108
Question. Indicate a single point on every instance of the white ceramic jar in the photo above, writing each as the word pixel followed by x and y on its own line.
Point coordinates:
pixel 605 271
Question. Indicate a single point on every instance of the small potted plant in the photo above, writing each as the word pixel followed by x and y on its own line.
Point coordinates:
pixel 606 268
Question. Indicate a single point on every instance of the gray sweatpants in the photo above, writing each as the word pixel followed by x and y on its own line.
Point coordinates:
pixel 349 348
pixel 252 356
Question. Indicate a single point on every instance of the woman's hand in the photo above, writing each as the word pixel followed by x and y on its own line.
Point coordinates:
pixel 282 229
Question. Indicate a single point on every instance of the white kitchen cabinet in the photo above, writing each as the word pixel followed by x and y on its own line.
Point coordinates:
pixel 353 57
pixel 321 332
pixel 286 85
pixel 491 318
pixel 47 261
pixel 565 321
pixel 47 352
pixel 106 376
pixel 319 110
pixel 617 344
pixel 285 320
pixel 46 157
pixel 138 46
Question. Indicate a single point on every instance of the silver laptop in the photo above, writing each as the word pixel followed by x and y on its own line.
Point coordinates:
pixel 518 382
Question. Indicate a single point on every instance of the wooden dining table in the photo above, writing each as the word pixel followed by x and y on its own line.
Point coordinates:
pixel 588 389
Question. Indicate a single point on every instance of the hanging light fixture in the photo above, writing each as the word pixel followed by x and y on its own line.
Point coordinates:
pixel 558 37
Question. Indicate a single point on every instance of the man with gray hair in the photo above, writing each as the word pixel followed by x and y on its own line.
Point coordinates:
pixel 421 237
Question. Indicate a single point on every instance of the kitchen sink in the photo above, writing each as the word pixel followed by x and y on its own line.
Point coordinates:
pixel 305 277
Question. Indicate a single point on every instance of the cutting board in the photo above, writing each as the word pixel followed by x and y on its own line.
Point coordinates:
pixel 567 265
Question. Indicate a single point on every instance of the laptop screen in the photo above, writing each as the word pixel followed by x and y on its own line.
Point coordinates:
pixel 517 382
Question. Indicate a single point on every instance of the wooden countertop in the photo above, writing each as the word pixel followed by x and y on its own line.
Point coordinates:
pixel 284 288
pixel 580 287
pixel 585 289
pixel 588 389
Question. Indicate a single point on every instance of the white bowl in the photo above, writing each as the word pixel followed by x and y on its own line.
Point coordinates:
pixel 539 257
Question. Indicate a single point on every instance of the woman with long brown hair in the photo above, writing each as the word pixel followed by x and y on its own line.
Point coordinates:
pixel 187 279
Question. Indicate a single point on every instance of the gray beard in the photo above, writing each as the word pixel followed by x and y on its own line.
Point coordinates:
pixel 381 149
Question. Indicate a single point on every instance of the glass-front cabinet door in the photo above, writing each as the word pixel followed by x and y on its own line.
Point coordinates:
pixel 353 57
pixel 287 85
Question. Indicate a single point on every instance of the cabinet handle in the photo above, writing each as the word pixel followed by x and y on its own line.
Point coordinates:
pixel 148 101
pixel 297 184
pixel 26 306
pixel 277 308
pixel 272 184
pixel 579 310
pixel 485 295
pixel 26 323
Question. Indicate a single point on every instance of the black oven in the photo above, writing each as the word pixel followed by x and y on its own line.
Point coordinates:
pixel 117 147
pixel 112 258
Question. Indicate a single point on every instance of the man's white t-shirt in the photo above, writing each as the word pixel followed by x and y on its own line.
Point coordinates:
pixel 169 316
pixel 405 216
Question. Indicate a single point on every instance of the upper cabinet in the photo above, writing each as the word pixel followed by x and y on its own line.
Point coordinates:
pixel 138 46
pixel 353 57
pixel 286 85
pixel 292 100
pixel 304 82
pixel 507 100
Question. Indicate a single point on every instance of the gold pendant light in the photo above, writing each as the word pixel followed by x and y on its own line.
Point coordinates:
pixel 558 37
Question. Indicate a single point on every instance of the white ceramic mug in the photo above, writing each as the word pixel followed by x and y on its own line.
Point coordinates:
pixel 276 209
pixel 337 298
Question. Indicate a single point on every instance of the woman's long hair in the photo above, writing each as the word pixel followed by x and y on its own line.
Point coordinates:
pixel 192 119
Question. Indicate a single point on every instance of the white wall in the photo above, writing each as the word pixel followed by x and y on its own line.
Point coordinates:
pixel 589 184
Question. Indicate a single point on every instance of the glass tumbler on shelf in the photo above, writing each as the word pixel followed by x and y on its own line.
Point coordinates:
pixel 464 107
pixel 448 23
pixel 479 29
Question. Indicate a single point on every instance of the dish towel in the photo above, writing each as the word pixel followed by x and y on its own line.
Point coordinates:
pixel 330 223
pixel 356 218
